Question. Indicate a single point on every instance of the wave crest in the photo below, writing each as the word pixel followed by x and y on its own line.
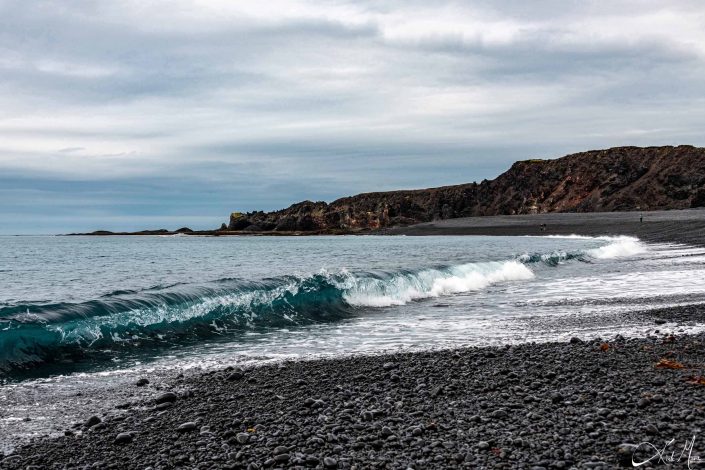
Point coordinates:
pixel 619 247
pixel 402 288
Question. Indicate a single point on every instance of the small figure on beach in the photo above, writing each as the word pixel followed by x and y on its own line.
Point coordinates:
pixel 641 218
pixel 543 227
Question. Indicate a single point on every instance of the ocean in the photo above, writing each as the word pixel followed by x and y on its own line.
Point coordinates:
pixel 86 313
pixel 95 303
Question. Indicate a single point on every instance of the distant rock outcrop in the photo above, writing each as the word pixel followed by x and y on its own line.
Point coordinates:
pixel 617 179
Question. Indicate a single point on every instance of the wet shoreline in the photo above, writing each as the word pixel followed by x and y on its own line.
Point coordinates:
pixel 553 405
pixel 676 226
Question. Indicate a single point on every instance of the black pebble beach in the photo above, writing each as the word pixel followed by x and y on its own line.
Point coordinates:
pixel 575 404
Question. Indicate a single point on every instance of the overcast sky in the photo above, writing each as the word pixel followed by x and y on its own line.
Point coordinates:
pixel 149 114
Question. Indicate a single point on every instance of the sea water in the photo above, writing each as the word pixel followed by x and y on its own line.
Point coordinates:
pixel 94 312
pixel 91 303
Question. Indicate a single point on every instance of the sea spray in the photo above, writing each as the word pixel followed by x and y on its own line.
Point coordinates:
pixel 619 247
pixel 404 287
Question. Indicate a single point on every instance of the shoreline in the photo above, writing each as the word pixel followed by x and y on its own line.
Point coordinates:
pixel 685 226
pixel 547 405
pixel 677 225
pixel 553 405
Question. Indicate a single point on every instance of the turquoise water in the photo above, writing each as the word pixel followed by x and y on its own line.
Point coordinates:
pixel 98 303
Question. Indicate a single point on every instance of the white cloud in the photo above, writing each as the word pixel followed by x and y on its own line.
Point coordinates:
pixel 276 91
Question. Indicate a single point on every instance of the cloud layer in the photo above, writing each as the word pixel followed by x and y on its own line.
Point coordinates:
pixel 137 114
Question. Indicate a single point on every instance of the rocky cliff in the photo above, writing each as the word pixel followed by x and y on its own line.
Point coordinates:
pixel 616 179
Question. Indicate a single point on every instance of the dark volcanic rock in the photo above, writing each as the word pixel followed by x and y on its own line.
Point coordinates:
pixel 123 438
pixel 166 397
pixel 92 421
pixel 616 179
pixel 234 376
pixel 187 426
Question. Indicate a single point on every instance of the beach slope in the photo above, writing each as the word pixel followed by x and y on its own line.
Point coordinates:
pixel 594 404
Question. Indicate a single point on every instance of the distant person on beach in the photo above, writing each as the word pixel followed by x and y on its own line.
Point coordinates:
pixel 641 218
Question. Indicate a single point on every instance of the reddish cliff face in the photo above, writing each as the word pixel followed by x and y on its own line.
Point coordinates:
pixel 617 179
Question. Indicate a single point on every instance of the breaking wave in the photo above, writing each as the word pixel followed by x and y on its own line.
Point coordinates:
pixel 181 314
pixel 618 246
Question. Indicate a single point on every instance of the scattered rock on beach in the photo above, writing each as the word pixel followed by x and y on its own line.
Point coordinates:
pixel 92 421
pixel 187 426
pixel 643 403
pixel 651 430
pixel 550 406
pixel 235 376
pixel 625 454
pixel 280 450
pixel 166 397
pixel 123 438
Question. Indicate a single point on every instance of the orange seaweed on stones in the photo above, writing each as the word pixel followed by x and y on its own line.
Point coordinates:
pixel 668 364
pixel 604 347
pixel 700 380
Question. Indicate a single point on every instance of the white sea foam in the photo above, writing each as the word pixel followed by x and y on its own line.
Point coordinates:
pixel 619 247
pixel 404 288
pixel 572 237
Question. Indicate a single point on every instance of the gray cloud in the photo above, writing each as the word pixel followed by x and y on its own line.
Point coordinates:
pixel 185 108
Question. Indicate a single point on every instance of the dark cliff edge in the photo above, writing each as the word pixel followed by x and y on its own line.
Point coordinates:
pixel 616 179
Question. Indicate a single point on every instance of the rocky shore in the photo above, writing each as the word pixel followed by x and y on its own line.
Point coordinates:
pixel 619 179
pixel 683 226
pixel 582 404
pixel 615 179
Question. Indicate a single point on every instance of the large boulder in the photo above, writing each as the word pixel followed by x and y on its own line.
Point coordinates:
pixel 238 221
